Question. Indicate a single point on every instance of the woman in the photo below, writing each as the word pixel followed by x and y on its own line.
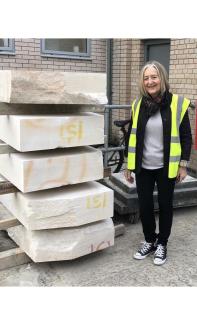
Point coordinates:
pixel 158 152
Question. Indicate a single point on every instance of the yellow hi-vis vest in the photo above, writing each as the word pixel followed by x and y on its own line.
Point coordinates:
pixel 179 106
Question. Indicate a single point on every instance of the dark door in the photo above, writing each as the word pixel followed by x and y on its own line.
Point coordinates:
pixel 159 50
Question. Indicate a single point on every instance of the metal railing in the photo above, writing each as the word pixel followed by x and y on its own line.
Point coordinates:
pixel 106 148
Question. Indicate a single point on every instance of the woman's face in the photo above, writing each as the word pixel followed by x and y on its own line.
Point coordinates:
pixel 152 83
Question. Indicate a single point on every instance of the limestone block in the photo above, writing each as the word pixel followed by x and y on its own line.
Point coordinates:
pixel 52 87
pixel 68 206
pixel 30 133
pixel 64 243
pixel 34 171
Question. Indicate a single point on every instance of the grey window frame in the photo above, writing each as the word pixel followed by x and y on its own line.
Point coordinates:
pixel 10 49
pixel 66 55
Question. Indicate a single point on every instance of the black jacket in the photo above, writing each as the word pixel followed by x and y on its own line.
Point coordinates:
pixel 185 135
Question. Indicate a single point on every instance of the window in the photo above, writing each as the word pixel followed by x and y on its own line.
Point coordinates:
pixel 6 46
pixel 63 47
pixel 159 50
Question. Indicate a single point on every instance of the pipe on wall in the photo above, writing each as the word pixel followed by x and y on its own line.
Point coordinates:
pixel 109 64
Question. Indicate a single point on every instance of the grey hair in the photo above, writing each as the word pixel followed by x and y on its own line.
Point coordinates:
pixel 162 74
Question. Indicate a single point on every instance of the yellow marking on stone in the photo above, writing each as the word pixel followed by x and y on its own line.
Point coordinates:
pixel 62 180
pixel 27 173
pixel 49 161
pixel 88 205
pixel 35 124
pixel 72 130
pixel 81 132
pixel 83 168
pixel 96 201
pixel 104 200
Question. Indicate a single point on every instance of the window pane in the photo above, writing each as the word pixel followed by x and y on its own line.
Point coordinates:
pixel 76 45
pixel 3 42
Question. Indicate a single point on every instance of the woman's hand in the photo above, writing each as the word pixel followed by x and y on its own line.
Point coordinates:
pixel 128 177
pixel 182 173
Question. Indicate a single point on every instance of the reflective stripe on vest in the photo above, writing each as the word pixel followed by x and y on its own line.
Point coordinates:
pixel 179 106
pixel 132 140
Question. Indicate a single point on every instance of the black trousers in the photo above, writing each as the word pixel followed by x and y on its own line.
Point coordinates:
pixel 145 182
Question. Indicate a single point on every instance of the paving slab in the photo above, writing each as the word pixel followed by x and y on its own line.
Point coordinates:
pixel 126 198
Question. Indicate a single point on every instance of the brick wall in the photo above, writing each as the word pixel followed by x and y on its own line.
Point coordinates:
pixel 28 56
pixel 128 58
pixel 183 77
pixel 121 71
pixel 121 79
pixel 137 63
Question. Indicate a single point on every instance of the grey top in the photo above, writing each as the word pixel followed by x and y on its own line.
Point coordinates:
pixel 153 143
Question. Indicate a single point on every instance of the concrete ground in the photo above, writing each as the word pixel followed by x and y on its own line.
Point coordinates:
pixel 115 266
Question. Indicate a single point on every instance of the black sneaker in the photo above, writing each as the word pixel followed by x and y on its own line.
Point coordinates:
pixel 145 250
pixel 160 254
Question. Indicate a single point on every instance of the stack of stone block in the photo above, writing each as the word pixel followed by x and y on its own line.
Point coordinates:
pixel 64 212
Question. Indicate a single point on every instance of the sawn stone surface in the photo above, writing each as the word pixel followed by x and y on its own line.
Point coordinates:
pixel 34 171
pixel 42 132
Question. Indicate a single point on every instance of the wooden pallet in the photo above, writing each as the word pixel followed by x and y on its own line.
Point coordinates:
pixel 13 257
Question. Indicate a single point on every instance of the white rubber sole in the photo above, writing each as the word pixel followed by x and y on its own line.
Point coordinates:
pixel 159 261
pixel 141 257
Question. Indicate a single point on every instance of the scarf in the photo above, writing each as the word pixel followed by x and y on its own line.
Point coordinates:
pixel 153 105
